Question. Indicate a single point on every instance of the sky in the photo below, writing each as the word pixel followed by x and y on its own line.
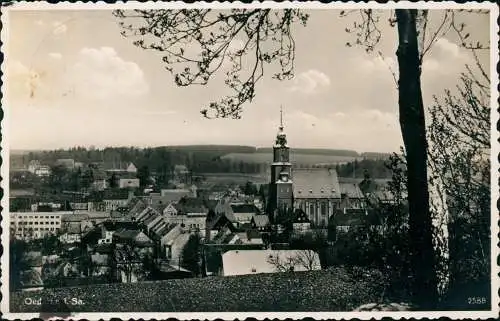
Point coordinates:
pixel 73 80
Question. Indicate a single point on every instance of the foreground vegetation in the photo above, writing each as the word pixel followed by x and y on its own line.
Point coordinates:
pixel 335 289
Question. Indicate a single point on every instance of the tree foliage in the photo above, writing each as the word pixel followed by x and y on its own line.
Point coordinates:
pixel 459 135
pixel 191 258
pixel 237 42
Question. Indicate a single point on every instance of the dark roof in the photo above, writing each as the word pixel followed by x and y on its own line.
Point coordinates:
pixel 112 194
pixel 114 225
pixel 300 216
pixel 218 221
pixel 188 208
pixel 244 208
pixel 253 234
pixel 211 204
pixel 130 235
pixel 355 217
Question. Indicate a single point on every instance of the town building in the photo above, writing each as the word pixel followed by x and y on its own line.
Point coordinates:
pixel 318 192
pixel 238 262
pixel 36 225
pixel 130 182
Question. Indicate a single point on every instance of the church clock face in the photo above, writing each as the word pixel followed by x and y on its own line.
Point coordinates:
pixel 284 179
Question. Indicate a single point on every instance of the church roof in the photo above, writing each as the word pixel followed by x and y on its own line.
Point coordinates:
pixel 351 190
pixel 315 183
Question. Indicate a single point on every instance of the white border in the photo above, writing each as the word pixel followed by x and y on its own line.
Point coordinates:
pixel 495 150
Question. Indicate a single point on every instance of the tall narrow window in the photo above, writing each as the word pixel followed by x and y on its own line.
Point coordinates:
pixel 323 209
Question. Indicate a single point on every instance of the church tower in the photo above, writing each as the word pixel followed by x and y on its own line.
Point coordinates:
pixel 281 193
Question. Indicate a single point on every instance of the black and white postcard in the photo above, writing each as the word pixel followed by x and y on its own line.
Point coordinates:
pixel 266 160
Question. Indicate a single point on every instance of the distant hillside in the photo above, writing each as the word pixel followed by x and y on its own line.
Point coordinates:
pixel 314 151
pixel 296 157
pixel 223 149
pixel 375 155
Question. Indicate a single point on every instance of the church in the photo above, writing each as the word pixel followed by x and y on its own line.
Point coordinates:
pixel 318 192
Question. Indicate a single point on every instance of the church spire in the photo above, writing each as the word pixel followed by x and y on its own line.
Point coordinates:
pixel 281 137
pixel 281 118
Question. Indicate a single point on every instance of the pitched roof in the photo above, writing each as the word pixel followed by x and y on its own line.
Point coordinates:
pixel 261 220
pixel 351 190
pixel 136 236
pixel 299 216
pixel 315 183
pixel 191 205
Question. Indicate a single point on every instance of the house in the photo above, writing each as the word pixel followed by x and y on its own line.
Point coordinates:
pixel 301 223
pixel 216 222
pixel 33 166
pixel 345 219
pixel 72 234
pixel 250 237
pixel 100 182
pixel 167 198
pixel 269 261
pixel 351 195
pixel 36 225
pixel 114 199
pixel 119 167
pixel 66 269
pixel 31 274
pixel 103 233
pixel 191 212
pixel 128 182
pixel 129 236
pixel 243 213
pixel 260 222
pixel 43 171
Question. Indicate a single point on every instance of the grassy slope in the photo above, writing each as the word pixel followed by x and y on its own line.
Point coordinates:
pixel 330 290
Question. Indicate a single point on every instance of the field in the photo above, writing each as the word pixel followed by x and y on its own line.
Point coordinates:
pixel 327 290
pixel 234 178
pixel 295 158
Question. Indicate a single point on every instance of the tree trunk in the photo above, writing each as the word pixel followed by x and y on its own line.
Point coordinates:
pixel 412 121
